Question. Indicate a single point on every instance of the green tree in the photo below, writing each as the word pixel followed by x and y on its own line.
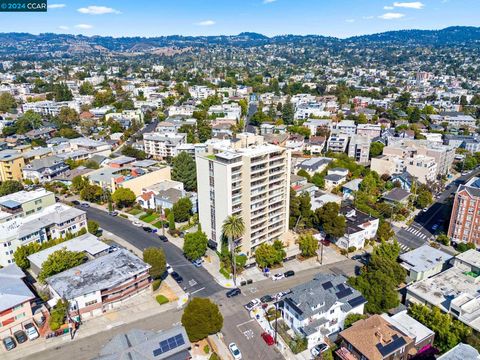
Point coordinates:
pixel 92 227
pixel 385 231
pixel 353 318
pixel 233 227
pixel 308 245
pixel 129 150
pixel 91 193
pixel 78 183
pixel 123 197
pixel 68 116
pixel 195 245
pixel 7 102
pixel 185 171
pixel 267 255
pixel 155 257
pixel 328 219
pixel 201 318
pixel 424 199
pixel 58 314
pixel 22 253
pixel 10 187
pixel 318 180
pixel 60 261
pixel 304 173
pixel 443 239
pixel 288 112
pixel 86 88
pixel 448 331
pixel 182 209
pixel 171 221
pixel 61 92
pixel 103 97
pixel 376 149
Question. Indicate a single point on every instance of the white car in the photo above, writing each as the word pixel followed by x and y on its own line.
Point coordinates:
pixel 252 304
pixel 318 349
pixel 237 355
pixel 169 269
pixel 31 332
pixel 137 223
pixel 276 277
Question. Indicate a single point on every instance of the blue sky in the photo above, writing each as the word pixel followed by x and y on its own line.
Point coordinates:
pixel 339 18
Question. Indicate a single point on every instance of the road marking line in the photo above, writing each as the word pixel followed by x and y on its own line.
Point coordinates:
pixel 193 292
pixel 246 322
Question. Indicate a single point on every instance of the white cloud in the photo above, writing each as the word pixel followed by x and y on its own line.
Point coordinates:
pixel 97 10
pixel 56 6
pixel 391 16
pixel 84 26
pixel 350 20
pixel 367 17
pixel 268 1
pixel 63 27
pixel 410 5
pixel 388 8
pixel 206 23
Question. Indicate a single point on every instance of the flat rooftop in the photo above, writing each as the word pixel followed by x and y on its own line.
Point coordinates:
pixel 424 258
pixel 85 243
pixel 101 273
pixel 471 257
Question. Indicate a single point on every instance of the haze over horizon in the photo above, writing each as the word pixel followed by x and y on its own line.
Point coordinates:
pixel 341 18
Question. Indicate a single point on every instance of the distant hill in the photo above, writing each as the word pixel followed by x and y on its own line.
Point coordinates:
pixel 48 44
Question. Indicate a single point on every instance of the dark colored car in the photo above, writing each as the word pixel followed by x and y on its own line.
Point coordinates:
pixel 233 292
pixel 76 202
pixel 20 336
pixel 176 276
pixel 85 205
pixel 289 273
pixel 266 299
pixel 325 242
pixel 268 338
pixel 147 229
pixel 163 238
pixel 9 343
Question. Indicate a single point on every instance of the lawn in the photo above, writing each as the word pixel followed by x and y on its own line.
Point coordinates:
pixel 161 299
pixel 135 212
pixel 149 218
pixel 158 224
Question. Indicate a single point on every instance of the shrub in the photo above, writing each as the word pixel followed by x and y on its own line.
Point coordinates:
pixel 161 299
pixel 201 318
pixel 206 349
pixel 214 356
pixel 225 273
pixel 352 249
pixel 156 284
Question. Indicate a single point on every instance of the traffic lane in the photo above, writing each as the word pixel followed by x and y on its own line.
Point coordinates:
pixel 123 228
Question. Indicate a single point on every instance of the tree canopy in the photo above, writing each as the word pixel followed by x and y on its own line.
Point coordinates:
pixel 308 245
pixel 10 187
pixel 60 261
pixel 201 318
pixel 195 245
pixel 155 257
pixel 182 209
pixel 267 255
pixel 123 197
pixel 185 171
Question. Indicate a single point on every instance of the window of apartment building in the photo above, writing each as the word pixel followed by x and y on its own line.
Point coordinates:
pixel 90 303
pixel 18 307
pixel 20 316
pixel 39 201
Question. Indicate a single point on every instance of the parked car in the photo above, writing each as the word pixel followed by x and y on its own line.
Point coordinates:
pixel 9 343
pixel 85 205
pixel 75 202
pixel 425 209
pixel 137 223
pixel 113 213
pixel 252 304
pixel 325 242
pixel 268 338
pixel 277 277
pixel 435 227
pixel 318 349
pixel 197 262
pixel 237 355
pixel 233 292
pixel 169 269
pixel 31 331
pixel 176 276
pixel 266 299
pixel 20 336
pixel 288 273
pixel 362 258
pixel 281 294
pixel 147 229
pixel 163 238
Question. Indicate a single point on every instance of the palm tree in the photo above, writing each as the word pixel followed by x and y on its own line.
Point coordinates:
pixel 233 228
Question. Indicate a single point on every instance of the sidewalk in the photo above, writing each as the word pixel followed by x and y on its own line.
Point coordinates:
pixel 136 308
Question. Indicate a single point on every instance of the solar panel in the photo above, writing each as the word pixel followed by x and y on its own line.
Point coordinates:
pixel 341 287
pixel 342 293
pixel 327 285
pixel 357 301
pixel 396 344
pixel 169 344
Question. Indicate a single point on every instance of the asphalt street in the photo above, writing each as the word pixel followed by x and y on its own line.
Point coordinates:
pixel 421 230
pixel 195 280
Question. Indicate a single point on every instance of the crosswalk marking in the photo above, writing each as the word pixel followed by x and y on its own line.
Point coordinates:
pixel 417 233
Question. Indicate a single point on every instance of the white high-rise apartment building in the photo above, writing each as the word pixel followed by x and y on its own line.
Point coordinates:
pixel 252 182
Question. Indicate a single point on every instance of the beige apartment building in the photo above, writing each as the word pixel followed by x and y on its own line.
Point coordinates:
pixel 465 219
pixel 11 165
pixel 250 179
pixel 424 168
